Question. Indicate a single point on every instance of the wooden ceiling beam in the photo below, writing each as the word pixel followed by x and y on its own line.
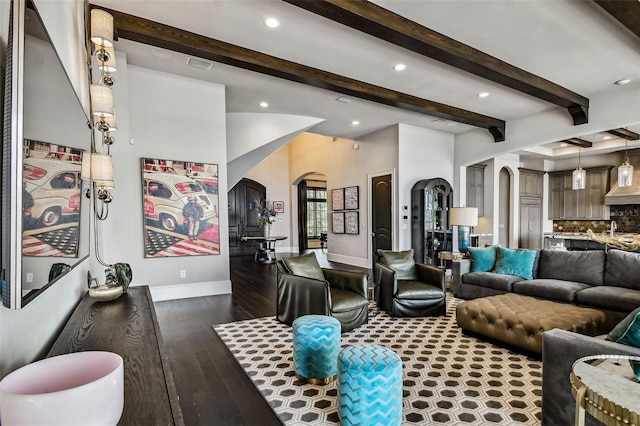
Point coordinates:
pixel 378 22
pixel 578 142
pixel 627 12
pixel 624 134
pixel 159 35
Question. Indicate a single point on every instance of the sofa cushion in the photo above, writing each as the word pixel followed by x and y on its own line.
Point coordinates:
pixel 622 269
pixel 577 266
pixel 627 332
pixel 515 262
pixel 483 259
pixel 562 291
pixel 490 280
pixel 401 262
pixel 416 290
pixel 607 297
pixel 305 265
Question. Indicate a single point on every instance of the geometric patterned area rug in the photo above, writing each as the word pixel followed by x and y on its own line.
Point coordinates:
pixel 448 378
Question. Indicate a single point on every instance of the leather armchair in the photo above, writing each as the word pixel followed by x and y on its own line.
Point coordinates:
pixel 342 295
pixel 423 296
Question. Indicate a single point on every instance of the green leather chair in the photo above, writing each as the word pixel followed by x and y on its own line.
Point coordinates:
pixel 304 288
pixel 406 288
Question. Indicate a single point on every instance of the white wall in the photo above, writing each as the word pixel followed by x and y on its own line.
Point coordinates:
pixel 174 118
pixel 343 166
pixel 422 154
pixel 273 173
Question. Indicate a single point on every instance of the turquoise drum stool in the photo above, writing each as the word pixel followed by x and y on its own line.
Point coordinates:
pixel 316 345
pixel 369 386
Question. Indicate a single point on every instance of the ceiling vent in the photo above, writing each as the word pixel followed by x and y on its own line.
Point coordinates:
pixel 345 99
pixel 199 63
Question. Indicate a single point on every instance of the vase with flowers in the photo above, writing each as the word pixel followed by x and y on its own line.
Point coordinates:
pixel 266 215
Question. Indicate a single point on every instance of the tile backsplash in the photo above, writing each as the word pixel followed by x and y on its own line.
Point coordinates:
pixel 627 218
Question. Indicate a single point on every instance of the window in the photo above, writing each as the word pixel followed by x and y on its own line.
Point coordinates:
pixel 316 212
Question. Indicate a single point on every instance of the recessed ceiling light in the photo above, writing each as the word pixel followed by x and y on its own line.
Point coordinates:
pixel 400 67
pixel 160 53
pixel 272 22
pixel 623 82
pixel 606 137
pixel 264 104
pixel 563 144
pixel 355 123
pixel 483 94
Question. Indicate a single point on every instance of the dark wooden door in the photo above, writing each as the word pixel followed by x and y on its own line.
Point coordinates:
pixel 381 226
pixel 243 216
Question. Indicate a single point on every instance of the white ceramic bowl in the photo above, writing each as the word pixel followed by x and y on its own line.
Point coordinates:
pixel 81 388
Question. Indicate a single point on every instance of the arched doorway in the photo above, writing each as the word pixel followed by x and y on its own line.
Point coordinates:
pixel 504 207
pixel 312 212
pixel 243 218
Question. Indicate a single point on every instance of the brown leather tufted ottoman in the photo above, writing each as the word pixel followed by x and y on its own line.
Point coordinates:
pixel 521 320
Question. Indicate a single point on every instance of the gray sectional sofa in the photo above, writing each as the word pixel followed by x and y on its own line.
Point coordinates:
pixel 608 281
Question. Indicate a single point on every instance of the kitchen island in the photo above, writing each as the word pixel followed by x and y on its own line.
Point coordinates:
pixel 591 241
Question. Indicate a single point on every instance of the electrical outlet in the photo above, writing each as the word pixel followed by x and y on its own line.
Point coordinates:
pixel 183 273
pixel 29 277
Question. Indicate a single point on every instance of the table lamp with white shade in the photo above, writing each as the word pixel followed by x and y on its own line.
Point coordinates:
pixel 464 218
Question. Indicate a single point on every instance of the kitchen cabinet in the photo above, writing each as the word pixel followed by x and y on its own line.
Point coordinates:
pixel 566 203
pixel 531 184
pixel 475 187
pixel 530 223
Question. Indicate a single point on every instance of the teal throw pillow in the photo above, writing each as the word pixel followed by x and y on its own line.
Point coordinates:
pixel 627 332
pixel 305 265
pixel 401 262
pixel 515 262
pixel 482 259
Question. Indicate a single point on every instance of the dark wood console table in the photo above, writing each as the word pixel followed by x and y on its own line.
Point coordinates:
pixel 266 250
pixel 128 327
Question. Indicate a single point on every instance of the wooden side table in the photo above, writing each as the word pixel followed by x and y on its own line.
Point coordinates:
pixel 605 387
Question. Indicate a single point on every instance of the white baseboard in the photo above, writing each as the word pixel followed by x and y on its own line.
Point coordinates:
pixel 348 260
pixel 185 291
pixel 287 249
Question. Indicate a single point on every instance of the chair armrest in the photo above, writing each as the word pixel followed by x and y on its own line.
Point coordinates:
pixel 430 274
pixel 560 349
pixel 356 282
pixel 385 277
pixel 458 269
pixel 298 296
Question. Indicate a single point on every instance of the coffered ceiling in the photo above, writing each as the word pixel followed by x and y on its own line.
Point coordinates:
pixel 571 49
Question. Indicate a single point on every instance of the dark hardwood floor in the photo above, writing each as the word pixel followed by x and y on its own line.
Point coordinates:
pixel 212 387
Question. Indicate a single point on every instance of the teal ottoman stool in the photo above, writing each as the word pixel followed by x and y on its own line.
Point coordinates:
pixel 316 345
pixel 369 386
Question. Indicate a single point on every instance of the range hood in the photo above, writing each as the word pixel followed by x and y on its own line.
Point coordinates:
pixel 629 194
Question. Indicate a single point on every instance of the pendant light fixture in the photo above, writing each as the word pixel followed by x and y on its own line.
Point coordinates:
pixel 625 170
pixel 579 176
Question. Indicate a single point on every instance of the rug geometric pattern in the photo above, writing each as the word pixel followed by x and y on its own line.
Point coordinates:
pixel 448 378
